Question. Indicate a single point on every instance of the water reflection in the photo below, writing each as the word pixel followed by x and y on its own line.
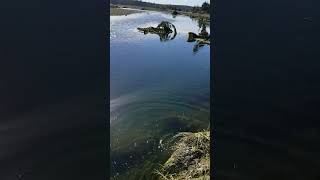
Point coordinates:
pixel 203 38
pixel 197 47
pixel 167 31
pixel 203 23
pixel 157 90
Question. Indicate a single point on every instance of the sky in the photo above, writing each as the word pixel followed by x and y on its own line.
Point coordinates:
pixel 179 2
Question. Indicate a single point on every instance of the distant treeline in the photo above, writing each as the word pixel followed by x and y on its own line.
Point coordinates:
pixel 204 8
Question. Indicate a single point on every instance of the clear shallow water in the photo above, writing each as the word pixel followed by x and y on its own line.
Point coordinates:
pixel 157 89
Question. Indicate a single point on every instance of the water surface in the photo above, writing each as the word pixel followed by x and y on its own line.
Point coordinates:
pixel 158 88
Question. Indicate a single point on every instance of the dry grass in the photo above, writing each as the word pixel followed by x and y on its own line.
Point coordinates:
pixel 190 158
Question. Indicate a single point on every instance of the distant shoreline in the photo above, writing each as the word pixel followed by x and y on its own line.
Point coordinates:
pixel 119 10
pixel 114 11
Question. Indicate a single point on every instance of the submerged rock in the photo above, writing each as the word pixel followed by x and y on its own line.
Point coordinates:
pixel 190 158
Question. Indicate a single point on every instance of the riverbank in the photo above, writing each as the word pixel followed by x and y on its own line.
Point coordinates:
pixel 190 158
pixel 118 10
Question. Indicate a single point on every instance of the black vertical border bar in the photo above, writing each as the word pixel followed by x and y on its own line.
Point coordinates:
pixel 107 100
pixel 212 85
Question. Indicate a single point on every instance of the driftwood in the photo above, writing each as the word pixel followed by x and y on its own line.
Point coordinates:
pixel 164 30
pixel 201 38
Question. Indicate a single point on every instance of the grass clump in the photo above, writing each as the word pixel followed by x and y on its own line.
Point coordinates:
pixel 190 158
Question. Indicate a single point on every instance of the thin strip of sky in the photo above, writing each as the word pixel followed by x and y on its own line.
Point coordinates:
pixel 179 2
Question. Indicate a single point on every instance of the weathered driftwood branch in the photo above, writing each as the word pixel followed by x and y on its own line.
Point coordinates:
pixel 201 38
pixel 164 30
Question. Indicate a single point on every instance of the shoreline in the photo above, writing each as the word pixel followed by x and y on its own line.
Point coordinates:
pixel 119 10
pixel 114 11
pixel 190 158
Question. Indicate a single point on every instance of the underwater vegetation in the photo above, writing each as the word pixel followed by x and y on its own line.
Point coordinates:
pixel 163 149
pixel 151 124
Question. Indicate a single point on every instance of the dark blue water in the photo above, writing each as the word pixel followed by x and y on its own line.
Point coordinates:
pixel 157 89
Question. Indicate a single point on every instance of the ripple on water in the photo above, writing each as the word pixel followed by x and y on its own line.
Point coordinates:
pixel 153 98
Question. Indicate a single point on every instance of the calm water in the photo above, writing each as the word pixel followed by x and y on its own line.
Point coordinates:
pixel 158 88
